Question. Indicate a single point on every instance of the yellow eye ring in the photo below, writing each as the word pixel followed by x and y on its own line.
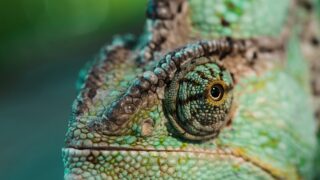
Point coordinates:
pixel 216 92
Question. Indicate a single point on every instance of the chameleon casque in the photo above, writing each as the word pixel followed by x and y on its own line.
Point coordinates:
pixel 213 89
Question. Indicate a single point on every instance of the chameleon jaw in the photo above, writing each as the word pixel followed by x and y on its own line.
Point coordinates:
pixel 77 161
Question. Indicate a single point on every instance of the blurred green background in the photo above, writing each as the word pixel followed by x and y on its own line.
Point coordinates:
pixel 43 45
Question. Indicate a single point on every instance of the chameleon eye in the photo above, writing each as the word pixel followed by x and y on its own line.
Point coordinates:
pixel 198 100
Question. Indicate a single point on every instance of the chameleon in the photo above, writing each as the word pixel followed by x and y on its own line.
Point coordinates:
pixel 212 89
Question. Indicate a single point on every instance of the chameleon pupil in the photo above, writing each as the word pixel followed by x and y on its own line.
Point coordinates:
pixel 217 92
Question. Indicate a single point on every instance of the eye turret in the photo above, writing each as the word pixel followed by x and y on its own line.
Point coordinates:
pixel 198 99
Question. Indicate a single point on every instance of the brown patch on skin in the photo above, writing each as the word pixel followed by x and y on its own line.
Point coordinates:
pixel 147 127
pixel 306 4
pixel 92 92
pixel 318 114
pixel 251 55
pixel 93 159
pixel 316 86
pixel 224 22
pixel 95 80
pixel 316 102
pixel 258 58
pixel 239 69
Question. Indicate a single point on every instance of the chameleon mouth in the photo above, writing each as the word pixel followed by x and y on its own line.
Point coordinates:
pixel 235 153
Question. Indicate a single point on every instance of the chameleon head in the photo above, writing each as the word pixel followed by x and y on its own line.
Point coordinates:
pixel 145 113
pixel 170 121
pixel 198 100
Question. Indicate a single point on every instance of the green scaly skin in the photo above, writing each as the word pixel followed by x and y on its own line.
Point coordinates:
pixel 269 132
